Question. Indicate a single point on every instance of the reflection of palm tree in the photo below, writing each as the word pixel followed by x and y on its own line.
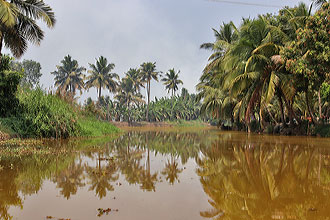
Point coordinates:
pixel 147 179
pixel 250 181
pixel 8 197
pixel 70 179
pixel 100 178
pixel 171 171
pixel 130 163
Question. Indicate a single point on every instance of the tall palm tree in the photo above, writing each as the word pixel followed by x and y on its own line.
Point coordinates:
pixel 135 76
pixel 127 95
pixel 69 76
pixel 101 76
pixel 19 23
pixel 148 72
pixel 224 37
pixel 171 81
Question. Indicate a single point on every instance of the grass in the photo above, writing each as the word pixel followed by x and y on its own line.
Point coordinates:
pixel 92 127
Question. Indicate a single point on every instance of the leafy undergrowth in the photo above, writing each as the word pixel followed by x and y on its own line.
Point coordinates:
pixel 91 127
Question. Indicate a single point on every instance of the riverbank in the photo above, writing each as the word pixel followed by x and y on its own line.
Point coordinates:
pixel 88 127
pixel 179 123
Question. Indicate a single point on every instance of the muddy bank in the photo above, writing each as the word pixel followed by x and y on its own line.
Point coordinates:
pixel 160 124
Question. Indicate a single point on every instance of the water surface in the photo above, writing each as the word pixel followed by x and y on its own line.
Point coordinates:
pixel 171 174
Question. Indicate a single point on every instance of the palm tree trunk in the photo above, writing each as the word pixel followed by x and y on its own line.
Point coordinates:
pixel 129 113
pixel 320 104
pixel 309 107
pixel 282 109
pixel 148 91
pixel 100 92
pixel 1 43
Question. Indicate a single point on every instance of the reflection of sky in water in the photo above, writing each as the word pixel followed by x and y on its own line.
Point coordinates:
pixel 182 200
pixel 188 175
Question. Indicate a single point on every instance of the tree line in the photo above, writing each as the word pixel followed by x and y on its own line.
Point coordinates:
pixel 70 77
pixel 270 70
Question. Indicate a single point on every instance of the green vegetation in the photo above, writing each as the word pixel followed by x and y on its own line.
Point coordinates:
pixel 91 127
pixel 130 107
pixel 171 81
pixel 43 115
pixel 69 76
pixel 9 81
pixel 19 24
pixel 148 72
pixel 101 76
pixel 30 70
pixel 271 71
pixel 46 115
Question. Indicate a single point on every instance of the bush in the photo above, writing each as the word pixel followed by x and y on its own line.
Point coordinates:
pixel 43 115
pixel 322 130
pixel 9 81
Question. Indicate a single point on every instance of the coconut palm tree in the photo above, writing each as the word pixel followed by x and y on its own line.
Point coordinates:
pixel 135 76
pixel 19 24
pixel 69 76
pixel 171 81
pixel 148 72
pixel 127 95
pixel 226 35
pixel 101 76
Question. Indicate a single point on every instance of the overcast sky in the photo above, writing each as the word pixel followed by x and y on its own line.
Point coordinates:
pixel 130 32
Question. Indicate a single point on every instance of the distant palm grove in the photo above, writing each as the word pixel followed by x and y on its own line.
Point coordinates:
pixel 271 72
pixel 128 103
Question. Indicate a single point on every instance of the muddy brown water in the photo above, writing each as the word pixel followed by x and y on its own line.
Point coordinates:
pixel 171 174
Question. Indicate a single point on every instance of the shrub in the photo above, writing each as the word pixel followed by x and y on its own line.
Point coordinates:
pixel 43 115
pixel 323 130
pixel 9 81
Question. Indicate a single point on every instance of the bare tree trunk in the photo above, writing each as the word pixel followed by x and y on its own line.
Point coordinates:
pixel 320 104
pixel 310 112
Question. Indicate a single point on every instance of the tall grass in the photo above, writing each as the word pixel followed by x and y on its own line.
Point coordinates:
pixel 47 115
pixel 91 127
pixel 43 115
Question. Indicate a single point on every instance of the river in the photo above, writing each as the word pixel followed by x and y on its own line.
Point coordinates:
pixel 170 174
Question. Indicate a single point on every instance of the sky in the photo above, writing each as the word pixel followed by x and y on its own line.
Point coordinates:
pixel 130 32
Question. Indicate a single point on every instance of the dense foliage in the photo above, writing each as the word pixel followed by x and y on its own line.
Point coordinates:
pixel 9 81
pixel 19 24
pixel 43 115
pixel 269 70
pixel 31 72
pixel 131 108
